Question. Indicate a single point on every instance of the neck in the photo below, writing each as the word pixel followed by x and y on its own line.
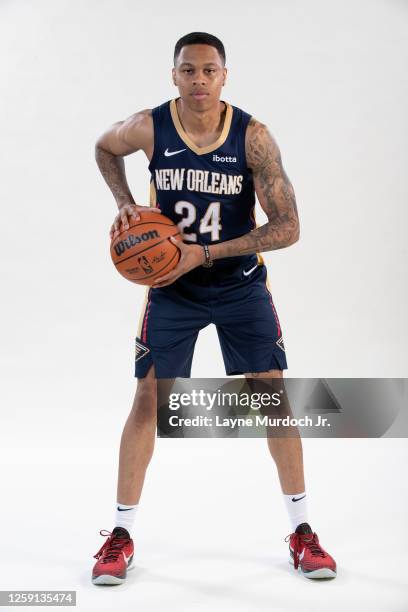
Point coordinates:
pixel 201 122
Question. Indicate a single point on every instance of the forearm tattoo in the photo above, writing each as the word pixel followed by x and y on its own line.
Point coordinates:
pixel 276 196
pixel 112 168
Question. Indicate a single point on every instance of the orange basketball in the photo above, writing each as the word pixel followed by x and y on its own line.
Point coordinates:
pixel 144 252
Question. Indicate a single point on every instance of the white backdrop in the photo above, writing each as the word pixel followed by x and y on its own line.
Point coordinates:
pixel 329 79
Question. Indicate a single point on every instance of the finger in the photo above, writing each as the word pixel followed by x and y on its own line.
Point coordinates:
pixel 178 243
pixel 171 276
pixel 159 281
pixel 124 220
pixel 163 284
pixel 149 208
pixel 132 210
pixel 114 230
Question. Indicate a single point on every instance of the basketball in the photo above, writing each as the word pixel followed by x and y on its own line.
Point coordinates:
pixel 144 252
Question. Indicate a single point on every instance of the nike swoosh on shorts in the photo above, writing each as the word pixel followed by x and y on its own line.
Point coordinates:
pixel 248 272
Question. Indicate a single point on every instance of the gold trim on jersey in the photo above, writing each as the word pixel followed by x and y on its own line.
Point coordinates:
pixel 185 137
pixel 152 195
pixel 260 259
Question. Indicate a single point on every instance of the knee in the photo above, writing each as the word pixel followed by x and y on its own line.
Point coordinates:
pixel 145 401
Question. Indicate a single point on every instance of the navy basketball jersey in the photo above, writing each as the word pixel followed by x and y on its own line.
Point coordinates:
pixel 207 191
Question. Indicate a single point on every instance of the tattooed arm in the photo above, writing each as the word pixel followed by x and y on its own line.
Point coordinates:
pixel 121 139
pixel 275 194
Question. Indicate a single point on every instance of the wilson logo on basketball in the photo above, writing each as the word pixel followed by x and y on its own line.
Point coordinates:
pixel 144 251
pixel 132 240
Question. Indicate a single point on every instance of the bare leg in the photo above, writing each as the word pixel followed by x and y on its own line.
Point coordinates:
pixel 286 452
pixel 288 456
pixel 137 442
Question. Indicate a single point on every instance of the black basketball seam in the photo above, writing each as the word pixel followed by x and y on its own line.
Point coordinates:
pixel 146 249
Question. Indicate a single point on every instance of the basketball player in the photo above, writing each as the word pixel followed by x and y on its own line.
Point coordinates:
pixel 207 160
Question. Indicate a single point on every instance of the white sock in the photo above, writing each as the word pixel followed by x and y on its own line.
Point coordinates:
pixel 296 506
pixel 125 516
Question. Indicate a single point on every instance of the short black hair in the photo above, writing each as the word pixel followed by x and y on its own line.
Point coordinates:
pixel 199 38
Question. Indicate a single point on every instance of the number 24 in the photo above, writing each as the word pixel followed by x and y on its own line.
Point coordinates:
pixel 211 222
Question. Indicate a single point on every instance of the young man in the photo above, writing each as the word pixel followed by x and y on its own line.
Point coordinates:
pixel 207 160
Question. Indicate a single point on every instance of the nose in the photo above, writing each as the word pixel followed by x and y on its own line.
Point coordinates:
pixel 199 78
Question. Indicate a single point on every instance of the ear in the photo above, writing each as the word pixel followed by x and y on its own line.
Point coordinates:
pixel 225 71
pixel 173 74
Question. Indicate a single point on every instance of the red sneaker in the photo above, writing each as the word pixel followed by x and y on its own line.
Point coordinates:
pixel 308 556
pixel 114 557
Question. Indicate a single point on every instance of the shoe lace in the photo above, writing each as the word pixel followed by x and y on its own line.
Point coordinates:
pixel 111 548
pixel 309 541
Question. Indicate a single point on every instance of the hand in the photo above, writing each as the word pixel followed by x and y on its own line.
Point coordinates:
pixel 192 255
pixel 122 218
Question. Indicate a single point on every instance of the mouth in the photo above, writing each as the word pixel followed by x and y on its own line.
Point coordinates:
pixel 199 95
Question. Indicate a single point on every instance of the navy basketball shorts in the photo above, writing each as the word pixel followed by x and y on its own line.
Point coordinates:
pixel 234 296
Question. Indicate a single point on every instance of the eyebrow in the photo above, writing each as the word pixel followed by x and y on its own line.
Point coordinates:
pixel 190 64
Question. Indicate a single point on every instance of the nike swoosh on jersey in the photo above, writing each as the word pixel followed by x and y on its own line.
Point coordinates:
pixel 168 153
pixel 248 272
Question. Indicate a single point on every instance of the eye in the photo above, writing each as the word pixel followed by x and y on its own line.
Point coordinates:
pixel 187 70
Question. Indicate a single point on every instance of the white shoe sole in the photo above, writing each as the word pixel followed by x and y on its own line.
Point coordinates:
pixel 324 572
pixel 108 579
